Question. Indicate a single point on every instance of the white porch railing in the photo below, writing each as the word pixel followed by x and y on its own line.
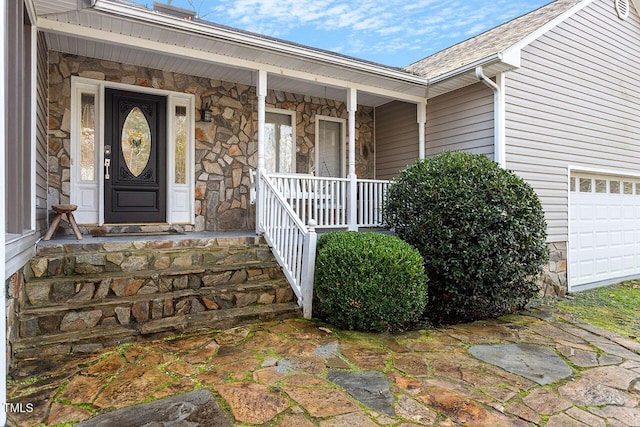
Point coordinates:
pixel 292 243
pixel 326 200
pixel 371 194
pixel 287 201
pixel 313 197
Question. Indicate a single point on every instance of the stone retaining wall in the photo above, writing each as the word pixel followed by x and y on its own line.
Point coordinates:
pixel 225 149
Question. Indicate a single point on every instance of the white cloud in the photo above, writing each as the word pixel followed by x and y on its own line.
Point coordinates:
pixel 370 28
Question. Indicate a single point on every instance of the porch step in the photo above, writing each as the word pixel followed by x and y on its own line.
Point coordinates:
pixel 85 340
pixel 68 259
pixel 83 296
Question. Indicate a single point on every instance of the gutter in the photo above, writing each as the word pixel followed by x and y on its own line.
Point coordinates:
pixel 253 40
pixel 499 152
pixel 487 60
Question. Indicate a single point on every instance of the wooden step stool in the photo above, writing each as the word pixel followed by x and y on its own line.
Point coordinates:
pixel 63 212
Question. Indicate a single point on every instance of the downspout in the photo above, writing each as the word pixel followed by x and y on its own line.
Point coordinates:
pixel 499 155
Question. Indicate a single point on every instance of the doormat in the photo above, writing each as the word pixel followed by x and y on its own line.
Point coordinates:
pixel 141 233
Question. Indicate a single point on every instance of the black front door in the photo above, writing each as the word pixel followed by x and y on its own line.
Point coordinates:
pixel 135 161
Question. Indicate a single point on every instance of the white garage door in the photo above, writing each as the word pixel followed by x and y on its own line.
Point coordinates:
pixel 604 230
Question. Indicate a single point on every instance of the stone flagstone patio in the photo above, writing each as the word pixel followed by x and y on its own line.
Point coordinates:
pixel 301 373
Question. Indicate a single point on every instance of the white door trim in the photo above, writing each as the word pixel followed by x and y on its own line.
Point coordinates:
pixel 294 121
pixel 81 85
pixel 343 142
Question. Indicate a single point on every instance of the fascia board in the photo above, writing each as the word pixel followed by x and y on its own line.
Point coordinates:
pixel 512 54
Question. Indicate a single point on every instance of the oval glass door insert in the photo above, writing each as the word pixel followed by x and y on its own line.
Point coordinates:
pixel 136 141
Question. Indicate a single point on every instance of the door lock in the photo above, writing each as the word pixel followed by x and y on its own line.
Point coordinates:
pixel 107 161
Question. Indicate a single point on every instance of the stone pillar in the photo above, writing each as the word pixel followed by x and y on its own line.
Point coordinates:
pixel 554 280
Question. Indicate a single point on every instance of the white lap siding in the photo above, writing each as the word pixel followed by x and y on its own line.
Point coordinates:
pixel 461 120
pixel 574 103
pixel 396 138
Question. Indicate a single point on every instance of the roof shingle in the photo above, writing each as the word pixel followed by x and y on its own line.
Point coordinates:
pixel 491 42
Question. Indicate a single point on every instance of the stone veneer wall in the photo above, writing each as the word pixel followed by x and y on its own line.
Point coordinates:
pixel 225 149
pixel 554 281
pixel 14 287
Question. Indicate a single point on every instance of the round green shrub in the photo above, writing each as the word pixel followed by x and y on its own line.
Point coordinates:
pixel 368 281
pixel 480 229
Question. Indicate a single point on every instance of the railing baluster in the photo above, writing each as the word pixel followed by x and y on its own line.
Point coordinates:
pixel 325 199
pixel 372 203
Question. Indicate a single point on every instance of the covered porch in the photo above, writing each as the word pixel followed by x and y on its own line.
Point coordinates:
pixel 237 102
pixel 257 134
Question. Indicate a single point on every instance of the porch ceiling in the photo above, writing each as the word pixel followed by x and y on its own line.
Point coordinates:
pixel 141 41
pixel 139 57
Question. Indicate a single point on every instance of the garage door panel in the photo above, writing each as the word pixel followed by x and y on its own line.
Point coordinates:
pixel 602 212
pixel 585 240
pixel 630 262
pixel 604 228
pixel 600 239
pixel 615 239
pixel 629 212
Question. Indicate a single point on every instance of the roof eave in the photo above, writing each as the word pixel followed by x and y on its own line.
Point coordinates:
pixel 513 53
pixel 488 60
pixel 255 41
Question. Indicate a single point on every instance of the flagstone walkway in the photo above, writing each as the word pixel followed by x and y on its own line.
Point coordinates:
pixel 299 373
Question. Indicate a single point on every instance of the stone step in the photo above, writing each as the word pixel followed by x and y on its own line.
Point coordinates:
pixel 139 308
pixel 104 336
pixel 122 257
pixel 274 287
pixel 82 295
pixel 184 242
pixel 53 291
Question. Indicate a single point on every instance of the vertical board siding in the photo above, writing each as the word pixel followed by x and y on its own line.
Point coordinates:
pixel 41 133
pixel 575 101
pixel 396 138
pixel 461 120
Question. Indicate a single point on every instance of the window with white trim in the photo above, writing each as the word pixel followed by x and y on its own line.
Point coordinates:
pixel 330 135
pixel 280 144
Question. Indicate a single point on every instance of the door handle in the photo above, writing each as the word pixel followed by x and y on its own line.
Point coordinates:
pixel 107 163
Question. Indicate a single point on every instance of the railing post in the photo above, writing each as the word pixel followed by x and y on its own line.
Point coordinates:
pixel 308 269
pixel 352 106
pixel 352 212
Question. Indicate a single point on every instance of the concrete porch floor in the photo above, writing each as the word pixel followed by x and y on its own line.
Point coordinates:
pixel 303 373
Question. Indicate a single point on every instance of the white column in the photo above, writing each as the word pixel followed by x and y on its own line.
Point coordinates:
pixel 261 91
pixel 422 120
pixel 352 106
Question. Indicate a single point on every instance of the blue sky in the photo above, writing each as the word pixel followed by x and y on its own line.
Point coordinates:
pixel 391 32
